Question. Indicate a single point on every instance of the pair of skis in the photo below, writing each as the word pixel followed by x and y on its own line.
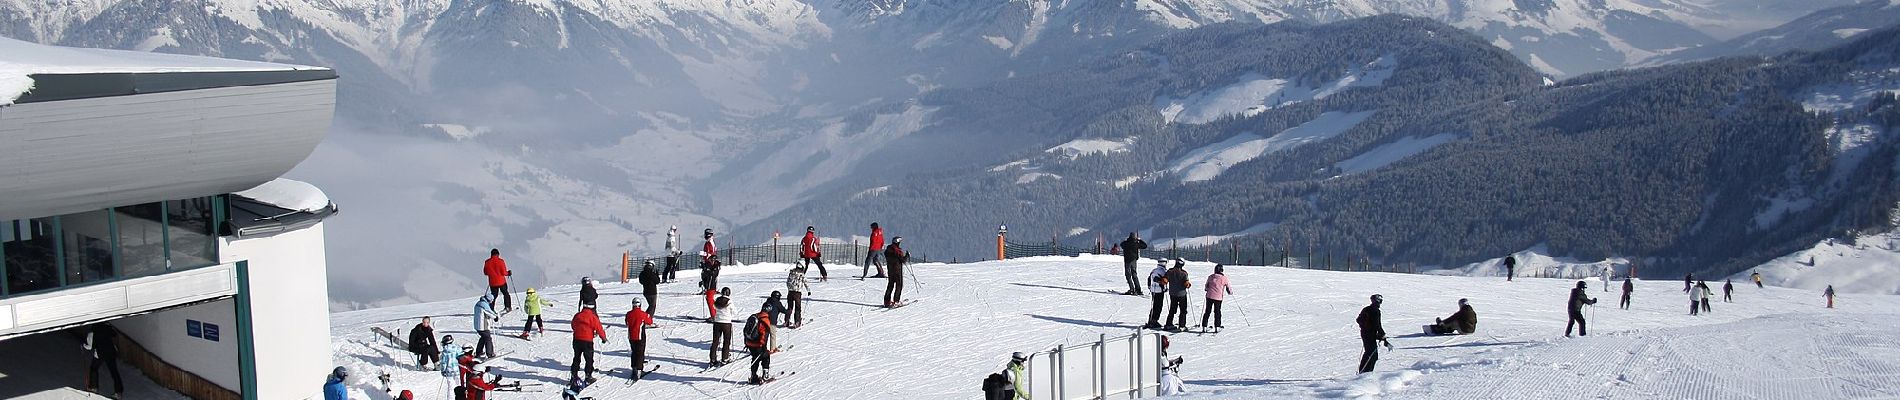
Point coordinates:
pixel 742 359
pixel 900 304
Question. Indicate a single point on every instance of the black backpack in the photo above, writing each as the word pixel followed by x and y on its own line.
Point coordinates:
pixel 996 387
pixel 752 329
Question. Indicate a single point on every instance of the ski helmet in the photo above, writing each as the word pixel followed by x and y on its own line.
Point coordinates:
pixel 636 302
pixel 448 339
pixel 587 280
pixel 530 290
pixel 1580 284
pixel 1018 357
pixel 1376 299
pixel 809 228
pixel 1461 302
pixel 340 372
pixel 896 240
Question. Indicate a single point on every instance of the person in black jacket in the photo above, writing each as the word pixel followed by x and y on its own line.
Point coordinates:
pixel 1510 267
pixel 650 286
pixel 422 342
pixel 103 340
pixel 1577 300
pixel 1628 287
pixel 895 257
pixel 1177 296
pixel 1371 332
pixel 588 294
pixel 1131 252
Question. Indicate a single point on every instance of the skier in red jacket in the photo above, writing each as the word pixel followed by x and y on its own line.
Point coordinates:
pixel 875 256
pixel 637 323
pixel 586 328
pixel 498 273
pixel 808 250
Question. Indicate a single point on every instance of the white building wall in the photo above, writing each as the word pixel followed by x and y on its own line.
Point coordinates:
pixel 290 307
pixel 163 333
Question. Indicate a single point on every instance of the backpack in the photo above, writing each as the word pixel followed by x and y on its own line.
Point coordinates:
pixel 996 387
pixel 752 329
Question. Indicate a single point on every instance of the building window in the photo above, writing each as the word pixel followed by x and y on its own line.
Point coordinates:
pixel 141 239
pixel 88 246
pixel 32 255
pixel 188 233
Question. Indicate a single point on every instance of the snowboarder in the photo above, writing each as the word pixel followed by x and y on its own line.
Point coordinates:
pixel 709 263
pixel 1707 293
pixel 672 253
pixel 588 294
pixel 1757 277
pixel 532 304
pixel 497 271
pixel 1577 300
pixel 102 343
pixel 1463 322
pixel 333 388
pixel 1217 291
pixel 485 318
pixel 1177 296
pixel 1131 252
pixel 1695 300
pixel 894 283
pixel 586 328
pixel 1157 290
pixel 761 341
pixel 720 352
pixel 422 343
pixel 1510 267
pixel 875 256
pixel 795 288
pixel 1371 332
pixel 1829 294
pixel 650 285
pixel 808 252
pixel 1629 286
pixel 1728 291
pixel 638 320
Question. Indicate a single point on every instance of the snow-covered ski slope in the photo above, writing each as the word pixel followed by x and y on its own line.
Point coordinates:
pixel 1289 334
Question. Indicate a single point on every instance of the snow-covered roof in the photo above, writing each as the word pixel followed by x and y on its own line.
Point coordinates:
pixel 288 194
pixel 19 60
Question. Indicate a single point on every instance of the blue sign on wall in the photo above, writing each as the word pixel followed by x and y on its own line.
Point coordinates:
pixel 211 332
pixel 194 328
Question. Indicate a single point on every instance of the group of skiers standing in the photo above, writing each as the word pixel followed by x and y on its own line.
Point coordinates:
pixel 1173 283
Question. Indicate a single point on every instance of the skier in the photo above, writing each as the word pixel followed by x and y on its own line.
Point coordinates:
pixel 1371 332
pixel 1177 296
pixel 1707 294
pixel 1157 290
pixel 894 283
pixel 1463 322
pixel 796 288
pixel 672 253
pixel 483 379
pixel 1577 301
pixel 497 271
pixel 532 304
pixel 1510 267
pixel 1695 300
pixel 445 363
pixel 650 285
pixel 875 256
pixel 1608 272
pixel 102 342
pixel 1829 294
pixel 573 391
pixel 1757 277
pixel 1131 252
pixel 1171 383
pixel 1728 291
pixel 808 252
pixel 638 321
pixel 722 330
pixel 588 294
pixel 333 387
pixel 1629 286
pixel 422 343
pixel 1688 282
pixel 709 263
pixel 586 328
pixel 484 318
pixel 776 304
pixel 761 341
pixel 1217 291
pixel 1014 371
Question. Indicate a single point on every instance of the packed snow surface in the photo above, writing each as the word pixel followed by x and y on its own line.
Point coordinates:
pixel 1289 334
pixel 1867 264
pixel 20 59
pixel 1208 162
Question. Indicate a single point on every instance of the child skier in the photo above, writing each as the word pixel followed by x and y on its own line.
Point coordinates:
pixel 761 342
pixel 532 305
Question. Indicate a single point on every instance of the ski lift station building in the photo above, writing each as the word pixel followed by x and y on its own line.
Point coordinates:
pixel 144 191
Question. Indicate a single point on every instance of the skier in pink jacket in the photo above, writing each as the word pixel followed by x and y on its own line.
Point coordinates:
pixel 1217 290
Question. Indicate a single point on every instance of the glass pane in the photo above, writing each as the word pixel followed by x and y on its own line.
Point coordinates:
pixel 88 246
pixel 31 261
pixel 141 239
pixel 189 233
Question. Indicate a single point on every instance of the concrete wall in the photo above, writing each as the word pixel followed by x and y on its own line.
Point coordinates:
pixel 290 305
pixel 163 334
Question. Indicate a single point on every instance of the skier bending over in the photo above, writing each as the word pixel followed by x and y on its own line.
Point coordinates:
pixel 1577 300
pixel 1371 332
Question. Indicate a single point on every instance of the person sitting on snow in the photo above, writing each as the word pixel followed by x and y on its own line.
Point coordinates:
pixel 1463 322
pixel 1171 383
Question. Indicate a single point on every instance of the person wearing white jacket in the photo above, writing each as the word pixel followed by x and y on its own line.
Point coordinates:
pixel 720 352
pixel 672 254
pixel 1157 292
pixel 795 288
pixel 1695 300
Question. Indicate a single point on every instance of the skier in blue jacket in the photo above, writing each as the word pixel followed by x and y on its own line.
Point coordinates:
pixel 333 388
pixel 485 318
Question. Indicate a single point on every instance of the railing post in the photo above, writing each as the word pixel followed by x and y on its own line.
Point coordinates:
pixel 1101 365
pixel 775 246
pixel 625 258
pixel 1002 234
